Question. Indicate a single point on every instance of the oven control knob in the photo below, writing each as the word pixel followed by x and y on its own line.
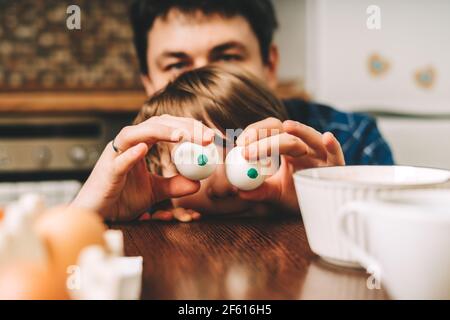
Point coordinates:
pixel 78 154
pixel 42 156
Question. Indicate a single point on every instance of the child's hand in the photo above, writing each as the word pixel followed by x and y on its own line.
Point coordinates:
pixel 120 187
pixel 299 146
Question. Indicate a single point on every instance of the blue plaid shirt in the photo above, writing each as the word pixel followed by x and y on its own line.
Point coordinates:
pixel 357 133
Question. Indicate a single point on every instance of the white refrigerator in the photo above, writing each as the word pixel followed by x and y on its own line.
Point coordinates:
pixel 388 58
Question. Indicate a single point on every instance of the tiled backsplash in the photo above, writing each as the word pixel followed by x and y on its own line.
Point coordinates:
pixel 38 52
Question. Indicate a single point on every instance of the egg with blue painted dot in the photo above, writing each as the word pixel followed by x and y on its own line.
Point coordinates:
pixel 194 161
pixel 241 173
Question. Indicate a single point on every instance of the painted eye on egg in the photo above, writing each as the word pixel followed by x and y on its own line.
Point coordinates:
pixel 241 173
pixel 194 161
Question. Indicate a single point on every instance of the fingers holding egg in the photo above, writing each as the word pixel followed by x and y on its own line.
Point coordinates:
pixel 194 161
pixel 241 173
pixel 198 162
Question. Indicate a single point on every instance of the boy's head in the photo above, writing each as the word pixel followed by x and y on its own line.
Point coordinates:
pixel 174 36
pixel 223 99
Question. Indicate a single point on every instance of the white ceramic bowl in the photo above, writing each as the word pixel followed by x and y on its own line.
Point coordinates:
pixel 321 193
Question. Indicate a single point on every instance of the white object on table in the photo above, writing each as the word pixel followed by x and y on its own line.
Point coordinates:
pixel 18 239
pixel 409 237
pixel 321 192
pixel 52 192
pixel 241 173
pixel 194 161
pixel 106 274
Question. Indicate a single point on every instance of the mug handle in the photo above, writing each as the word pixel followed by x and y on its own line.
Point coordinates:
pixel 353 209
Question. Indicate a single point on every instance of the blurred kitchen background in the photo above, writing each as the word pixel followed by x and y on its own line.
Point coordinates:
pixel 65 94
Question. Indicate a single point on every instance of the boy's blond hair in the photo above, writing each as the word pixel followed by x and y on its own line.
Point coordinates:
pixel 228 98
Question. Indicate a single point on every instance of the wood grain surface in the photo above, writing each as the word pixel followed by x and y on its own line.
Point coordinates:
pixel 98 101
pixel 251 258
pixel 32 102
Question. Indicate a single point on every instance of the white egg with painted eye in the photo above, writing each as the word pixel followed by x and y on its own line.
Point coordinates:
pixel 241 173
pixel 194 161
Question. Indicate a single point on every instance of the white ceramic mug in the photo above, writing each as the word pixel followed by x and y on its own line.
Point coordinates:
pixel 323 191
pixel 407 242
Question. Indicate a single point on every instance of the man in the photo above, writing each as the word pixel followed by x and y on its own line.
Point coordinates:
pixel 172 37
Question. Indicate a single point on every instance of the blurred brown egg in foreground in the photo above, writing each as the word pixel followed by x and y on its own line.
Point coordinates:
pixel 66 231
pixel 26 281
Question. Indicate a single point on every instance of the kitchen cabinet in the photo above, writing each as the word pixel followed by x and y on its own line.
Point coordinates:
pixel 103 101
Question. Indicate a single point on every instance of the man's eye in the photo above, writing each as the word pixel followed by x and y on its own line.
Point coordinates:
pixel 176 66
pixel 230 57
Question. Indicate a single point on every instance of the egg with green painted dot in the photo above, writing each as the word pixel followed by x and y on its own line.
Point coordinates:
pixel 194 161
pixel 241 173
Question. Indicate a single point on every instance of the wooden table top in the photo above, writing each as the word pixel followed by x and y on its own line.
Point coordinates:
pixel 250 258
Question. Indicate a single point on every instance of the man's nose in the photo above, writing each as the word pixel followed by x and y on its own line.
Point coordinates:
pixel 220 187
pixel 200 62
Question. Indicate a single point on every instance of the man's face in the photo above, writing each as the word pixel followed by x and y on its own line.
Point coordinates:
pixel 181 42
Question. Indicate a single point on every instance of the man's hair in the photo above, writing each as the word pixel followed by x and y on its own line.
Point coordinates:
pixel 228 98
pixel 260 14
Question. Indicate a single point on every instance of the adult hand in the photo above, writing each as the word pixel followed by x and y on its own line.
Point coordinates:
pixel 120 186
pixel 299 147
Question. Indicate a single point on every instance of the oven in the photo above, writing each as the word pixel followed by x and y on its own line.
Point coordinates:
pixel 52 154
